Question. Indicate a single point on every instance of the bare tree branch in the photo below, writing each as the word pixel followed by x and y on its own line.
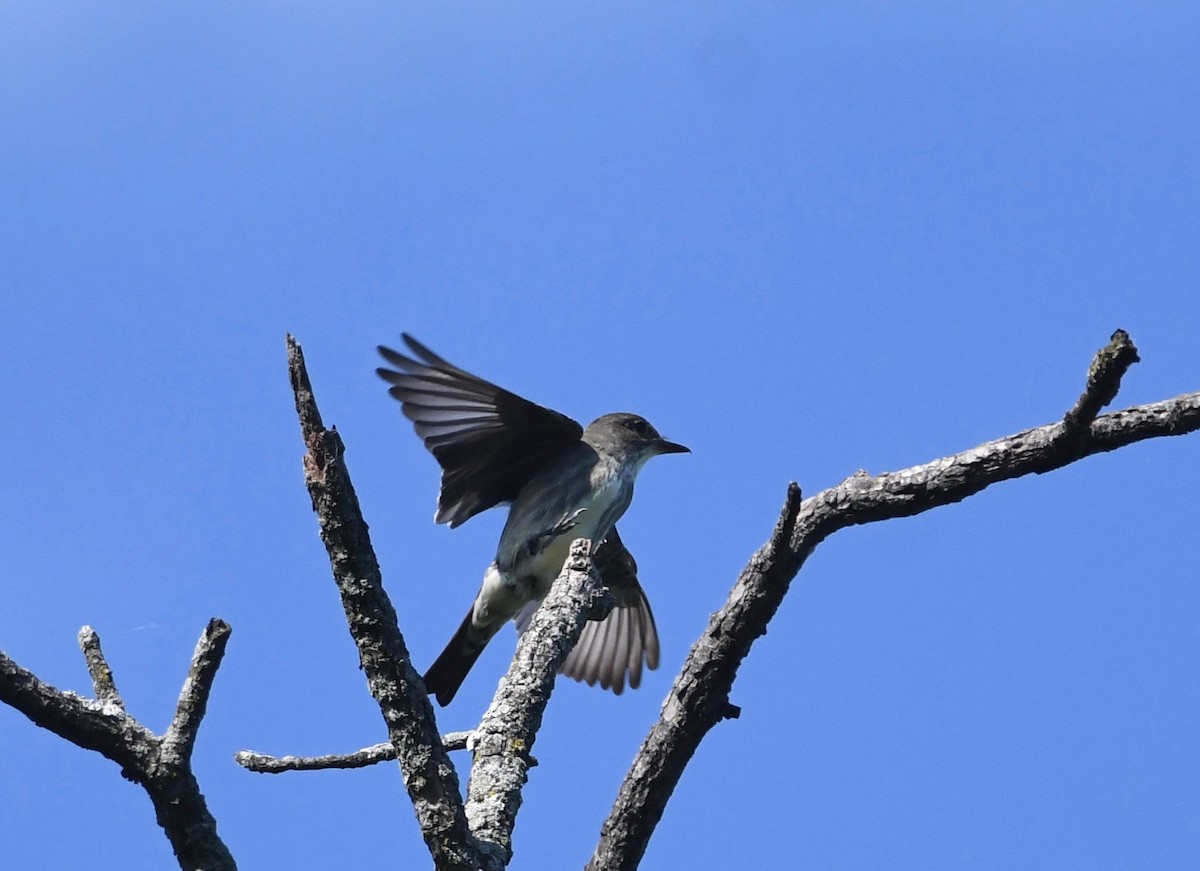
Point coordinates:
pixel 699 698
pixel 180 736
pixel 428 773
pixel 505 736
pixel 478 834
pixel 1103 381
pixel 261 763
pixel 503 742
pixel 102 677
pixel 162 765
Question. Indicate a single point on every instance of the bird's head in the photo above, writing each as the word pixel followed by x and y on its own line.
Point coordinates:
pixel 629 435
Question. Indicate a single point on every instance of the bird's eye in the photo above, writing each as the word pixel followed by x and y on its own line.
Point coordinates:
pixel 639 426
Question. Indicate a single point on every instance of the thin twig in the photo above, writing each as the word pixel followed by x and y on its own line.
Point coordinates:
pixel 193 697
pixel 102 678
pixel 1103 381
pixel 262 763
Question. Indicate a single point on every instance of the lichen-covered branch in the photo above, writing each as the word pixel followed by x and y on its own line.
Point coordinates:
pixel 503 742
pixel 262 763
pixel 161 764
pixel 103 683
pixel 699 698
pixel 428 773
pixel 505 737
pixel 1104 380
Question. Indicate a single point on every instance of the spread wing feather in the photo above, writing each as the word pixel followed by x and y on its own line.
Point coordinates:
pixel 488 441
pixel 617 648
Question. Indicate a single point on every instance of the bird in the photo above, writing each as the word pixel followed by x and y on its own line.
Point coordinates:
pixel 561 481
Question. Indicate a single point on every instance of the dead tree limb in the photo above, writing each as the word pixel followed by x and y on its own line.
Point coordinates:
pixel 425 766
pixel 699 698
pixel 262 763
pixel 504 739
pixel 161 764
pixel 478 835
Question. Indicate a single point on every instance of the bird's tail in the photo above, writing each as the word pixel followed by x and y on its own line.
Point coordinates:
pixel 450 669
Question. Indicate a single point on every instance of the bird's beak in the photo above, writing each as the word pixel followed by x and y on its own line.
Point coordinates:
pixel 662 446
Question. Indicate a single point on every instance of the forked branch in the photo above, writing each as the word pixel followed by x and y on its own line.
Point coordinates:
pixel 161 764
pixel 699 698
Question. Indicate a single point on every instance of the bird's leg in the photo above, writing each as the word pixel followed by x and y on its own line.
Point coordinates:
pixel 543 540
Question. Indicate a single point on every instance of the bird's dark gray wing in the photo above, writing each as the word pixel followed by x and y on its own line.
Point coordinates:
pixel 487 440
pixel 620 645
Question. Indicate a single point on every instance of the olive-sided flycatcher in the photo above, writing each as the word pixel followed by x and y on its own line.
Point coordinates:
pixel 561 482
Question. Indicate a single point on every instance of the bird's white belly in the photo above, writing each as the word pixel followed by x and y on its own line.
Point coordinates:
pixel 546 565
pixel 505 594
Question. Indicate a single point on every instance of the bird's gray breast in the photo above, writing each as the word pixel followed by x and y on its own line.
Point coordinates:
pixel 580 496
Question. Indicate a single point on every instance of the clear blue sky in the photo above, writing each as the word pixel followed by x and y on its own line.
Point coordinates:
pixel 802 238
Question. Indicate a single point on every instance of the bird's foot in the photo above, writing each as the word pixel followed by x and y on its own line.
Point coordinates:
pixel 543 540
